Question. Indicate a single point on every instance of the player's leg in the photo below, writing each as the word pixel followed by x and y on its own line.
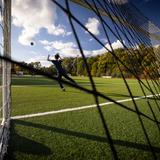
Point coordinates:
pixel 69 78
pixel 59 81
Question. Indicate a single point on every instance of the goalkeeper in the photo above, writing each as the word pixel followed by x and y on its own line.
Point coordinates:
pixel 60 71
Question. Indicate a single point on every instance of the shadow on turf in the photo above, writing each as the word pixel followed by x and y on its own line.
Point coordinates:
pixel 88 136
pixel 24 145
pixel 128 96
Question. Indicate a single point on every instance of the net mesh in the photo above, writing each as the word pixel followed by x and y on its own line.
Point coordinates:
pixel 135 32
pixel 123 13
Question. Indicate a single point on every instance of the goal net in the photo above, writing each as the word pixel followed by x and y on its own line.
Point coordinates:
pixel 133 31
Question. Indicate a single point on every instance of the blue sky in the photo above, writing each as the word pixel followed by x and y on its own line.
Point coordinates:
pixel 150 8
pixel 48 27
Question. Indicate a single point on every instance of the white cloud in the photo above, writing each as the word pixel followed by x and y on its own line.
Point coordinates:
pixel 93 26
pixel 156 46
pixel 47 45
pixel 59 45
pixel 45 42
pixel 33 53
pixel 33 15
pixel 104 40
pixel 103 50
pixel 48 48
pixel 39 58
pixel 68 33
pixel 116 45
pixel 69 49
pixel 56 30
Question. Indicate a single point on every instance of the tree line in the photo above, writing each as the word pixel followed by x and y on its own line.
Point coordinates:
pixel 142 62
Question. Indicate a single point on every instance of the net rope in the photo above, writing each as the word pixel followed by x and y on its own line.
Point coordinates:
pixel 125 27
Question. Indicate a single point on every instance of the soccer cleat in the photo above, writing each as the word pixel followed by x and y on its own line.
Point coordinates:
pixel 63 89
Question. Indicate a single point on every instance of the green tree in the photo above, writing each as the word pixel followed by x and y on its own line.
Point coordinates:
pixel 81 69
pixel 94 69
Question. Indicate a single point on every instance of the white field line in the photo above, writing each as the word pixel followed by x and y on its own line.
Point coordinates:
pixel 78 108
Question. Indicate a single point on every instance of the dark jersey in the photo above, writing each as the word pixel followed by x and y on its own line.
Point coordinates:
pixel 58 65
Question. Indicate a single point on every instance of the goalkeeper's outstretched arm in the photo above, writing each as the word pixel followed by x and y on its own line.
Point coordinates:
pixel 60 58
pixel 48 58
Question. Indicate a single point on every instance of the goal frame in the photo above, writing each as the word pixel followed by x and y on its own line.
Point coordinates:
pixel 6 76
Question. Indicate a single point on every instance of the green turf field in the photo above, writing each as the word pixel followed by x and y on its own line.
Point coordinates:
pixel 78 134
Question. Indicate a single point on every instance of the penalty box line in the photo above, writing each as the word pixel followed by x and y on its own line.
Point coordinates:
pixel 78 108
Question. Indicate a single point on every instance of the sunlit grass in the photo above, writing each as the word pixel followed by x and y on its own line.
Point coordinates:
pixel 79 134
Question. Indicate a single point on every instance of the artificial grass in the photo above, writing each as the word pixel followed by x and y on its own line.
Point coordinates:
pixel 45 95
pixel 79 134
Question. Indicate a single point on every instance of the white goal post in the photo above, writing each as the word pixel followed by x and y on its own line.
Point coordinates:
pixel 6 75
